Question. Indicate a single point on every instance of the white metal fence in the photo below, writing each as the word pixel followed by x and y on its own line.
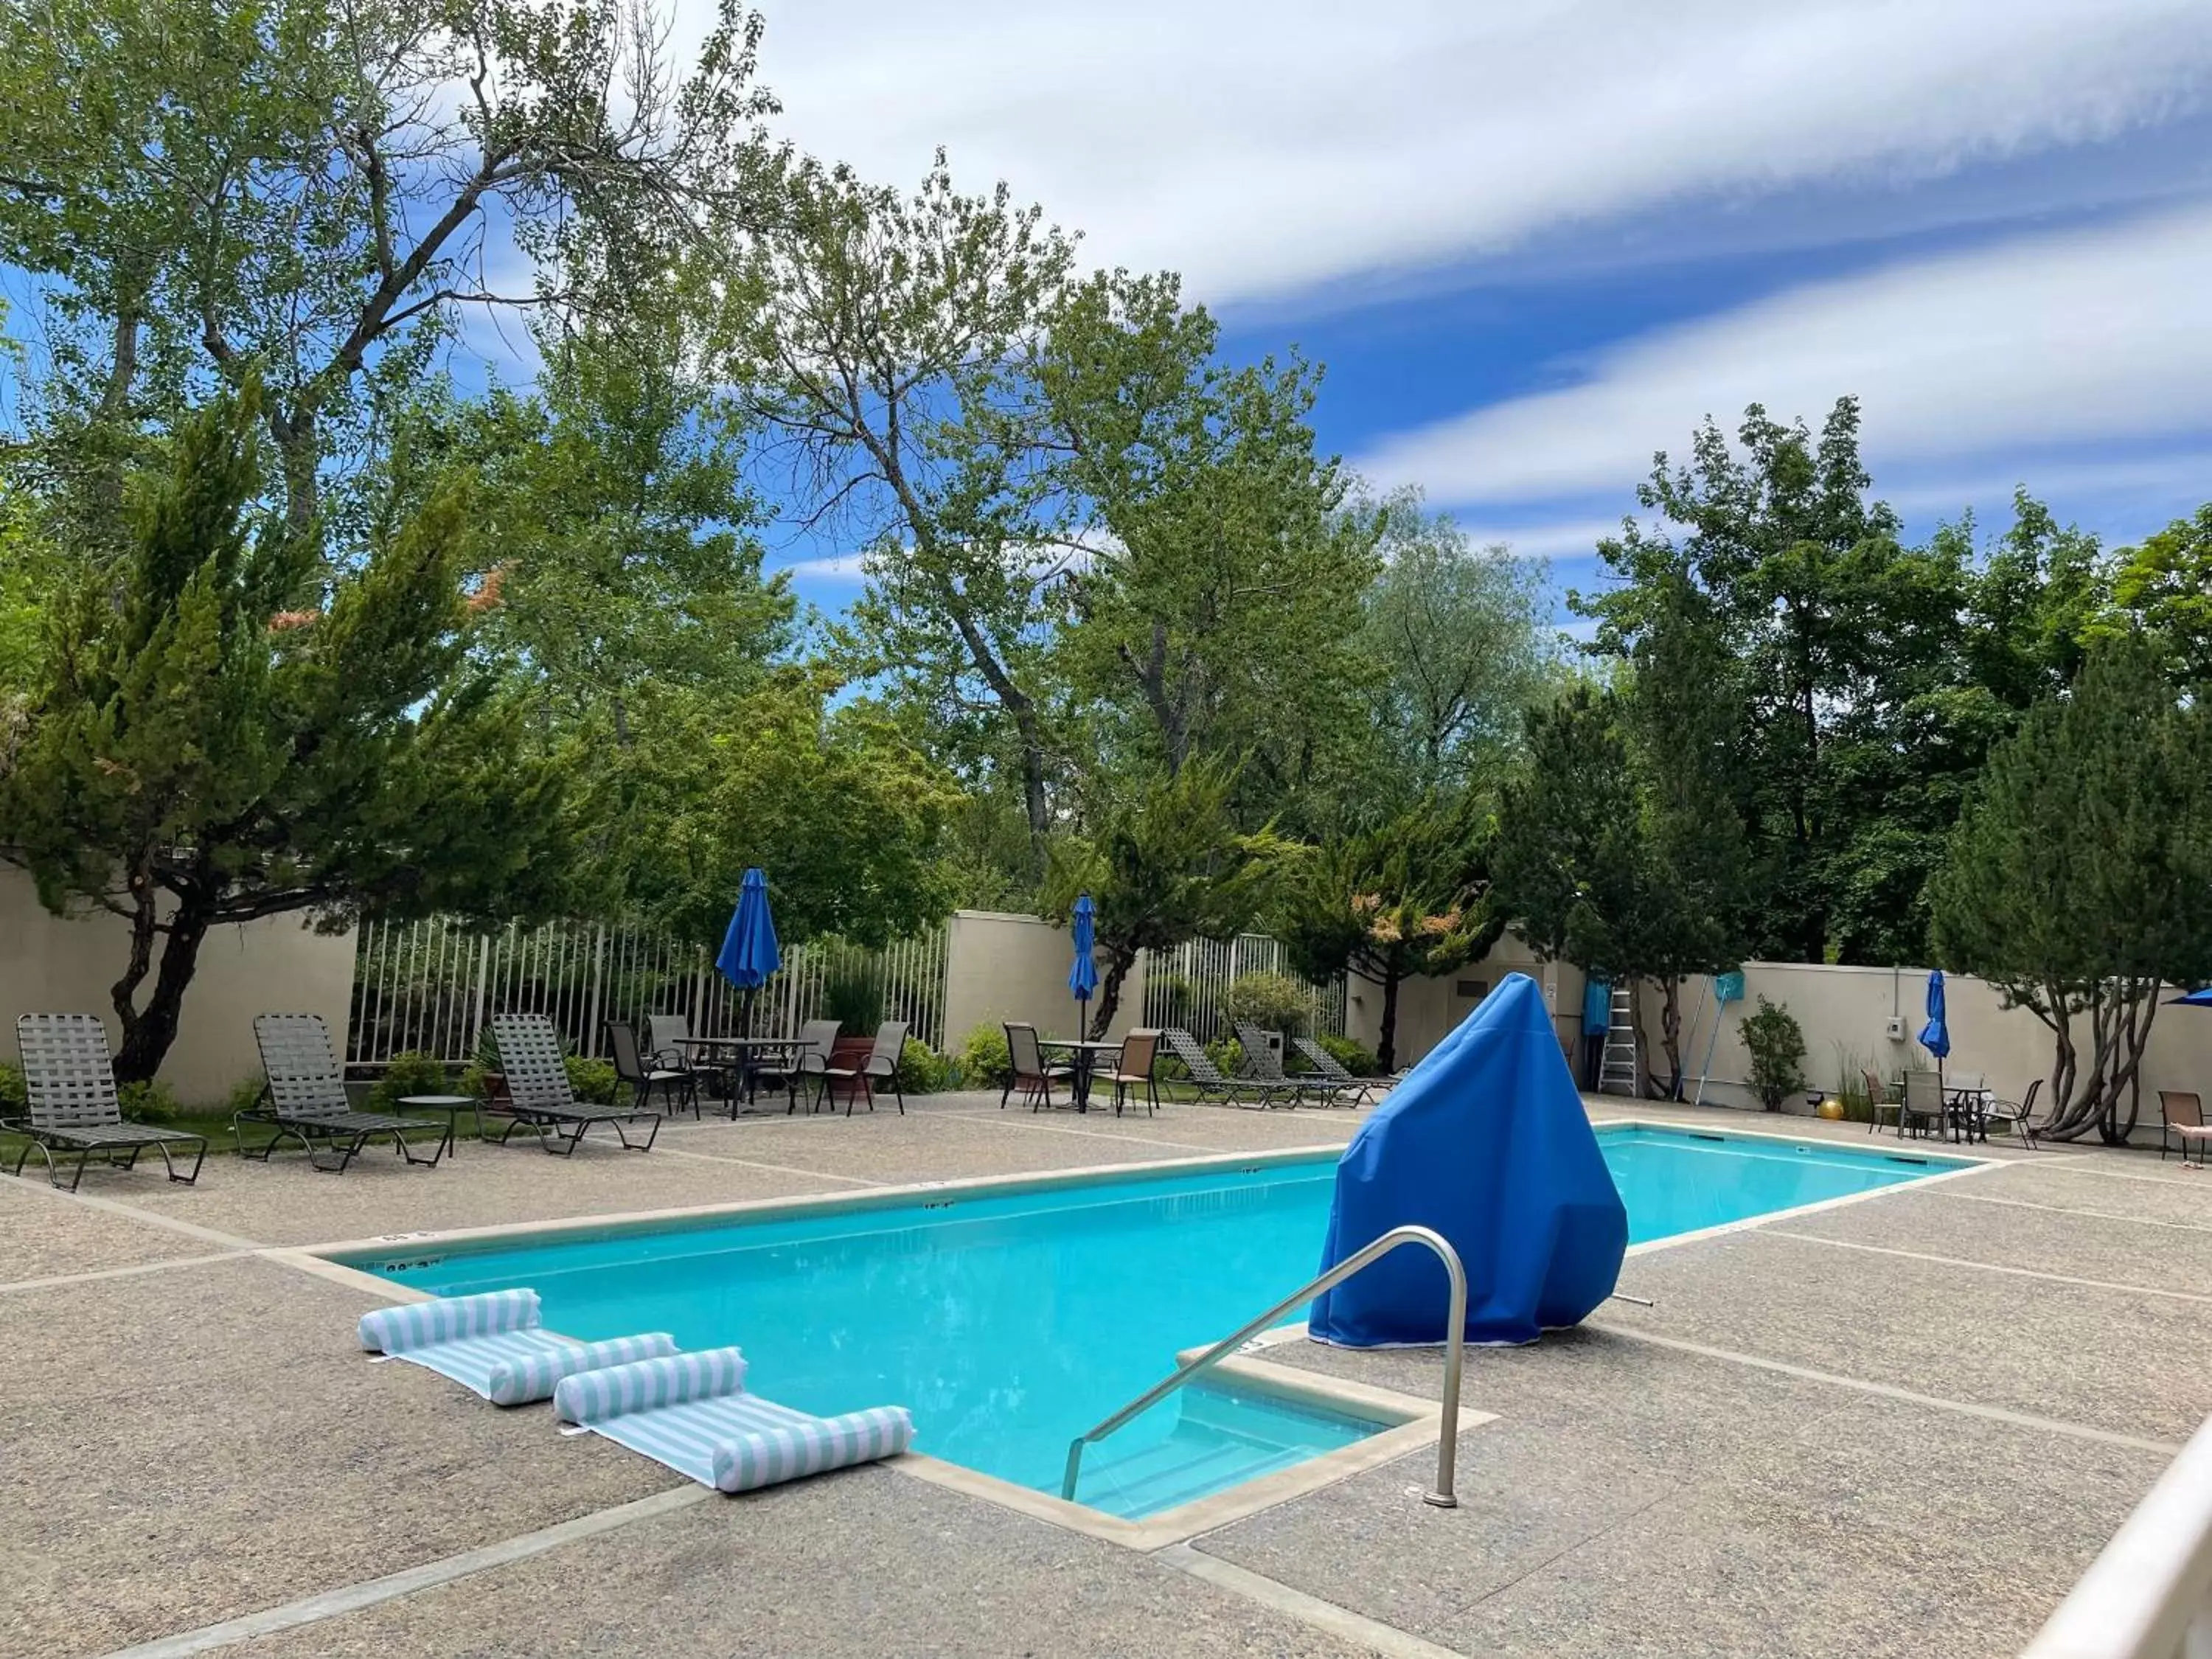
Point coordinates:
pixel 1189 986
pixel 432 987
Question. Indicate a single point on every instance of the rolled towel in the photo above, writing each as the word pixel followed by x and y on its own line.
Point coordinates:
pixel 594 1396
pixel 445 1319
pixel 533 1377
pixel 764 1456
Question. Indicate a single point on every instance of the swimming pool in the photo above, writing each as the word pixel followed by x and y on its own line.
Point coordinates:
pixel 1009 1321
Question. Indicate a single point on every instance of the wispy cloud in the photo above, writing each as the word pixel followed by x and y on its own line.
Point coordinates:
pixel 2088 338
pixel 1263 146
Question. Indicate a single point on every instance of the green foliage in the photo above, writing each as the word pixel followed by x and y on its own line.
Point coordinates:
pixel 2079 875
pixel 1355 1057
pixel 921 1070
pixel 2166 586
pixel 852 995
pixel 13 1100
pixel 1173 994
pixel 592 1080
pixel 1275 1002
pixel 244 1095
pixel 410 1074
pixel 1227 1055
pixel 474 1080
pixel 150 1101
pixel 983 1061
pixel 1776 1043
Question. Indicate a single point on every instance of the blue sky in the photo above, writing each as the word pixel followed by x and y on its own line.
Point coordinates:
pixel 1533 242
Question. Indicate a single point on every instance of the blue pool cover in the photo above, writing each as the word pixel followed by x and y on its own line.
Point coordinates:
pixel 1486 1141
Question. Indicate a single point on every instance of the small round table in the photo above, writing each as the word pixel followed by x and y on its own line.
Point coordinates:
pixel 452 1106
pixel 1085 1055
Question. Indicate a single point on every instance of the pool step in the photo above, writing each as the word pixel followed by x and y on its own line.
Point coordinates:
pixel 1220 1439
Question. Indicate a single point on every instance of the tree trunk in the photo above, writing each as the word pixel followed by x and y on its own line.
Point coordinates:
pixel 148 1032
pixel 1386 1045
pixel 1118 963
pixel 1670 1033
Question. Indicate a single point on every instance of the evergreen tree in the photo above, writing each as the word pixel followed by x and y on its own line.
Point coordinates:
pixel 221 732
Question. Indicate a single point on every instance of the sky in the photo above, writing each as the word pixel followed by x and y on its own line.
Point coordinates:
pixel 1533 243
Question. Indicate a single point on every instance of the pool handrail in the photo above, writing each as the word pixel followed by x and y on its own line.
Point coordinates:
pixel 2148 1595
pixel 1455 1355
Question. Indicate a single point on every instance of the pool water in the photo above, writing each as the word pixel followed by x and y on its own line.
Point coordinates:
pixel 1010 1322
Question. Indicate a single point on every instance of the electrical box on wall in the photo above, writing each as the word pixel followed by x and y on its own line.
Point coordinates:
pixel 1896 1025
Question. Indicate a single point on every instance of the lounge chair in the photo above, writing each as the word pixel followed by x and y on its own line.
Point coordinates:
pixel 1028 1069
pixel 1259 1059
pixel 677 1089
pixel 494 1344
pixel 880 1065
pixel 539 1095
pixel 818 1038
pixel 691 1412
pixel 1206 1077
pixel 2183 1116
pixel 1132 1071
pixel 303 1098
pixel 72 1106
pixel 1331 1071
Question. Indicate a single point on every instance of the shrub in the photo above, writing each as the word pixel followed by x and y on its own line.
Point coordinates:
pixel 14 1101
pixel 592 1080
pixel 244 1095
pixel 852 996
pixel 1776 1045
pixel 1227 1055
pixel 148 1102
pixel 983 1061
pixel 1355 1058
pixel 1275 1002
pixel 920 1070
pixel 411 1073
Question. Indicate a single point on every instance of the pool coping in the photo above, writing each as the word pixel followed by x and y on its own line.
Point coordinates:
pixel 1418 1423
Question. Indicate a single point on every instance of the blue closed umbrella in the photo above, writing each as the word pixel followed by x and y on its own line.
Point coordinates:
pixel 749 952
pixel 1082 973
pixel 1936 1036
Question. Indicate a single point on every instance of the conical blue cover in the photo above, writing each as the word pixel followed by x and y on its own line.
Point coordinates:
pixel 1486 1141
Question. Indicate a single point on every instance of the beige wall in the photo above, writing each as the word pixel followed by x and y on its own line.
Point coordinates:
pixel 1428 1009
pixel 52 965
pixel 999 967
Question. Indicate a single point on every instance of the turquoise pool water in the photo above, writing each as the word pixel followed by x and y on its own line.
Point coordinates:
pixel 1010 1322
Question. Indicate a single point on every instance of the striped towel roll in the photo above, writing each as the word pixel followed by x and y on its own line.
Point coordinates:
pixel 418 1324
pixel 785 1452
pixel 594 1396
pixel 533 1377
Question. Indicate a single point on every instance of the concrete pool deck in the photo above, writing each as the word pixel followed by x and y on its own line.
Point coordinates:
pixel 1901 1426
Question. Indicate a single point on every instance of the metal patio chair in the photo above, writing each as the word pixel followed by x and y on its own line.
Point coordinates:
pixel 2182 1116
pixel 1331 1070
pixel 880 1067
pixel 678 1088
pixel 817 1040
pixel 1132 1071
pixel 1028 1069
pixel 303 1098
pixel 540 1096
pixel 69 1080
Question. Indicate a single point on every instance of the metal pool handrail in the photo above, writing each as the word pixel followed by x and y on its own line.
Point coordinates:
pixel 1455 1345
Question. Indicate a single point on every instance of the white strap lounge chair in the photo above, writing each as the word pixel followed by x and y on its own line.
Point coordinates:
pixel 691 1411
pixel 493 1345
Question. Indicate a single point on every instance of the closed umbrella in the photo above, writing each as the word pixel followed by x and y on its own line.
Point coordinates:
pixel 749 952
pixel 1082 973
pixel 1935 1035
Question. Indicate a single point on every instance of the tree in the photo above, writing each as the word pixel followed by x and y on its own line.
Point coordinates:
pixel 1458 631
pixel 2165 586
pixel 1390 904
pixel 218 736
pixel 878 340
pixel 1166 864
pixel 2080 875
pixel 314 192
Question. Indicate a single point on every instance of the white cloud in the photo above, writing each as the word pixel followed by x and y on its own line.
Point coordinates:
pixel 842 567
pixel 2092 336
pixel 1260 146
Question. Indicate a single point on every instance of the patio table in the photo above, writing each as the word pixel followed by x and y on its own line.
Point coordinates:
pixel 452 1106
pixel 748 1054
pixel 1085 1055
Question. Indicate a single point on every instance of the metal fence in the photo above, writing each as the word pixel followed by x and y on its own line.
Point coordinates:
pixel 1189 986
pixel 432 987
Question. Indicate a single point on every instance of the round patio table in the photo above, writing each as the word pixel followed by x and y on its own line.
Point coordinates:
pixel 1085 1055
pixel 452 1106
pixel 748 1052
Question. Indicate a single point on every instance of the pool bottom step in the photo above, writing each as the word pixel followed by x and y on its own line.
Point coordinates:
pixel 1217 1437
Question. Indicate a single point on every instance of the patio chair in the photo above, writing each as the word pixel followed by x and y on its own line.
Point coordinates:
pixel 817 1039
pixel 2183 1116
pixel 880 1067
pixel 71 1106
pixel 539 1095
pixel 679 1089
pixel 1132 1070
pixel 1876 1089
pixel 1261 1066
pixel 1030 1072
pixel 303 1098
pixel 1331 1071
pixel 1923 1109
pixel 2017 1114
pixel 1206 1077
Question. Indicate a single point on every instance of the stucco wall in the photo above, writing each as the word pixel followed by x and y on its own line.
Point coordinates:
pixel 999 967
pixel 1428 1009
pixel 51 965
